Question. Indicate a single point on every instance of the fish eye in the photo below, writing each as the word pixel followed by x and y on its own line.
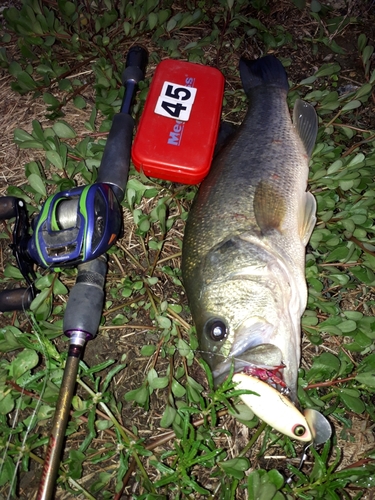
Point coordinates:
pixel 299 430
pixel 216 329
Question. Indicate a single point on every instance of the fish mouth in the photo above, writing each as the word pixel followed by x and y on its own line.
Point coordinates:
pixel 270 399
pixel 263 362
pixel 269 396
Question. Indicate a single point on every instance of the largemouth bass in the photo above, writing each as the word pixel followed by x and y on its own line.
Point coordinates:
pixel 243 258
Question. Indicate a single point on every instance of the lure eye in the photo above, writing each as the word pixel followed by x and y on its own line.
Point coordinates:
pixel 299 430
pixel 216 329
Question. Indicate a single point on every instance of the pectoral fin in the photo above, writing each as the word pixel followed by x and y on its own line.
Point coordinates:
pixel 269 207
pixel 306 124
pixel 309 219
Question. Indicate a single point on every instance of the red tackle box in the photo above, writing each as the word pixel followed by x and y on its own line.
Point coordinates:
pixel 178 128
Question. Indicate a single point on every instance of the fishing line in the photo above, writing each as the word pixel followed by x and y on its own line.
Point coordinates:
pixel 302 461
pixel 35 330
pixel 33 418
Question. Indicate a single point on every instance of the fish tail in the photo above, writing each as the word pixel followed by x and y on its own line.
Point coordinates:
pixel 266 71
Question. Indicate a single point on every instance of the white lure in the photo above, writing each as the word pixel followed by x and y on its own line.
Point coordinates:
pixel 273 407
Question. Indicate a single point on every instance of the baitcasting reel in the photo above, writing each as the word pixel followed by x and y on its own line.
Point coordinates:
pixel 75 226
pixel 78 225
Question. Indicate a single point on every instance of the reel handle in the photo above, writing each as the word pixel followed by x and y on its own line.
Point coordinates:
pixel 9 207
pixel 17 299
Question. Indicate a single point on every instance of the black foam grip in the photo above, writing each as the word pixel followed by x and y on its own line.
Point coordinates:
pixel 18 299
pixel 137 58
pixel 85 304
pixel 9 206
pixel 132 74
pixel 114 167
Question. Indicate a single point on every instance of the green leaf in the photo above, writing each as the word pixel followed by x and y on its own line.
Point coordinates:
pixel 368 363
pixel 148 350
pixel 241 464
pixel 55 158
pixel 25 361
pixel 260 487
pixel 339 254
pixel 75 461
pixel 363 274
pixel 361 43
pixel 25 81
pixel 68 8
pixel 347 326
pixel 44 281
pixel 351 105
pixel 103 425
pixel 21 135
pixel 163 322
pixel 178 390
pixel 315 6
pixel 276 478
pixel 11 339
pixel 324 367
pixel 328 69
pixel 37 183
pixel 79 102
pixel 6 404
pixel 352 402
pixel 12 272
pixel 155 381
pixel 241 412
pixel 152 20
pixel 168 417
pixel 59 288
pixel 364 90
pixel 300 4
pixel 65 85
pixel 172 23
pixel 38 131
pixel 40 299
pixel 367 378
pixel 51 100
pixel 102 480
pixel 159 382
pixel 367 53
pixel 183 348
pixel 140 395
pixel 63 130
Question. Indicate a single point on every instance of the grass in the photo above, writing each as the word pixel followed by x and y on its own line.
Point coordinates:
pixel 145 419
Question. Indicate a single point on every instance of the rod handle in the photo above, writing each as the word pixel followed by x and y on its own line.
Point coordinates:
pixel 85 303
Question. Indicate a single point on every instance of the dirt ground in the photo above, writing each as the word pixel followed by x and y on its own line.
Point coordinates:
pixel 18 112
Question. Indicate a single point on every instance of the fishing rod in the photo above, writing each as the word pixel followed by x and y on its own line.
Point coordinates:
pixel 85 303
pixel 75 228
pixel 81 322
